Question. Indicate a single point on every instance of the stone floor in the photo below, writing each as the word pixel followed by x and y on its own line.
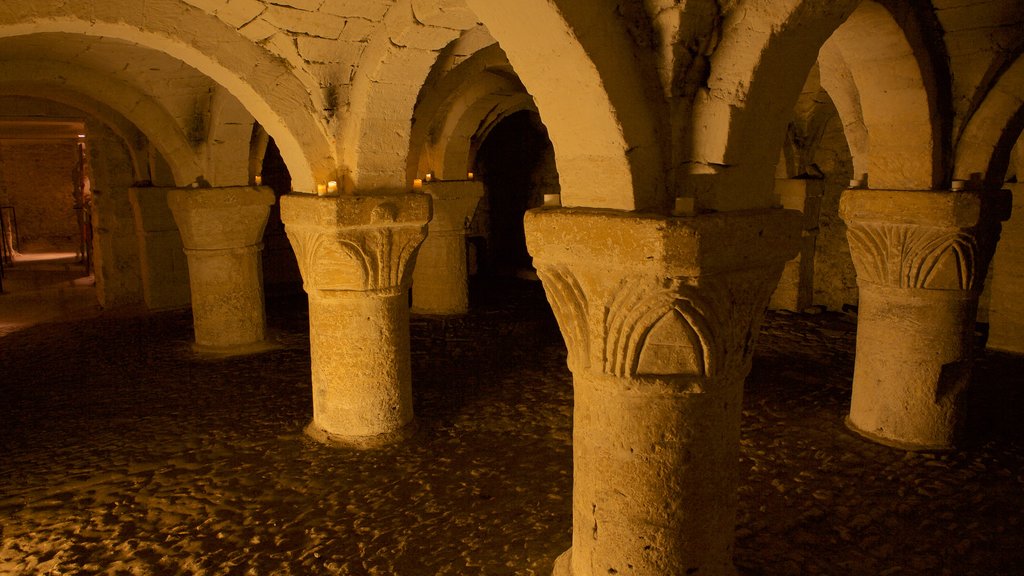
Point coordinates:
pixel 125 453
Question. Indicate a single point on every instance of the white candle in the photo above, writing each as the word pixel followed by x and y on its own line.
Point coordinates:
pixel 259 180
pixel 417 184
pixel 321 189
pixel 552 199
pixel 469 175
pixel 429 177
pixel 332 187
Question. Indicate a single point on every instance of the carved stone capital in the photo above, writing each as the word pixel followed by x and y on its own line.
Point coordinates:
pixel 222 232
pixel 646 295
pixel 659 316
pixel 221 218
pixel 921 259
pixel 356 243
pixel 356 254
pixel 923 239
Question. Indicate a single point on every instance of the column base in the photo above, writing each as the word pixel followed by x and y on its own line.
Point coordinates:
pixel 314 431
pixel 237 350
pixel 891 443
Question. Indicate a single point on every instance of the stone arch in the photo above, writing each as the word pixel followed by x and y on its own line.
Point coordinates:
pixel 136 143
pixel 838 83
pixel 226 148
pixel 464 138
pixel 376 127
pixel 757 72
pixel 984 147
pixel 739 119
pixel 903 93
pixel 138 109
pixel 454 116
pixel 813 112
pixel 606 139
pixel 264 84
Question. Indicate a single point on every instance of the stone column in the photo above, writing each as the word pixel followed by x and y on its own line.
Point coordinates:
pixel 1006 307
pixel 659 316
pixel 796 287
pixel 222 231
pixel 356 254
pixel 161 254
pixel 439 281
pixel 921 258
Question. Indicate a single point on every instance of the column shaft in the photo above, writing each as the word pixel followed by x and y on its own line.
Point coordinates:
pixel 356 253
pixel 440 278
pixel 659 317
pixel 921 258
pixel 654 477
pixel 222 231
pixel 227 297
pixel 362 379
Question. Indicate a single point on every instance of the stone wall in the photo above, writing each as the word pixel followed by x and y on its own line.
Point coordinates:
pixel 835 281
pixel 115 247
pixel 37 181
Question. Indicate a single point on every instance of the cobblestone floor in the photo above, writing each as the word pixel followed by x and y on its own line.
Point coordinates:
pixel 124 453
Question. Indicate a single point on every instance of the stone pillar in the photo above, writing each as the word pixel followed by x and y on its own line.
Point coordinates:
pixel 659 316
pixel 161 254
pixel 356 254
pixel 1006 307
pixel 439 281
pixel 921 258
pixel 796 287
pixel 222 231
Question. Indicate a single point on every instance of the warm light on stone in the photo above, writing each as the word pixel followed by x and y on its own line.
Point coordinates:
pixel 659 316
pixel 222 231
pixel 921 258
pixel 164 266
pixel 440 277
pixel 356 255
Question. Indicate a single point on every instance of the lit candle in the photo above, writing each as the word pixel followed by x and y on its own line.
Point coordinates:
pixel 417 184
pixel 332 187
pixel 469 175
pixel 259 180
pixel 321 189
pixel 429 176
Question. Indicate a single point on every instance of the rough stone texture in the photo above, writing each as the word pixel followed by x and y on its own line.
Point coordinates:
pixel 38 182
pixel 222 231
pixel 164 266
pixel 795 291
pixel 1006 278
pixel 170 462
pixel 659 317
pixel 115 250
pixel 921 259
pixel 440 277
pixel 356 255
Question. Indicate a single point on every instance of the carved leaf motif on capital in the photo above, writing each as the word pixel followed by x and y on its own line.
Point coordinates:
pixel 359 259
pixel 909 256
pixel 668 330
pixel 569 303
pixel 702 327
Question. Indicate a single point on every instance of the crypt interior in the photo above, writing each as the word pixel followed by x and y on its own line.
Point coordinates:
pixel 569 287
